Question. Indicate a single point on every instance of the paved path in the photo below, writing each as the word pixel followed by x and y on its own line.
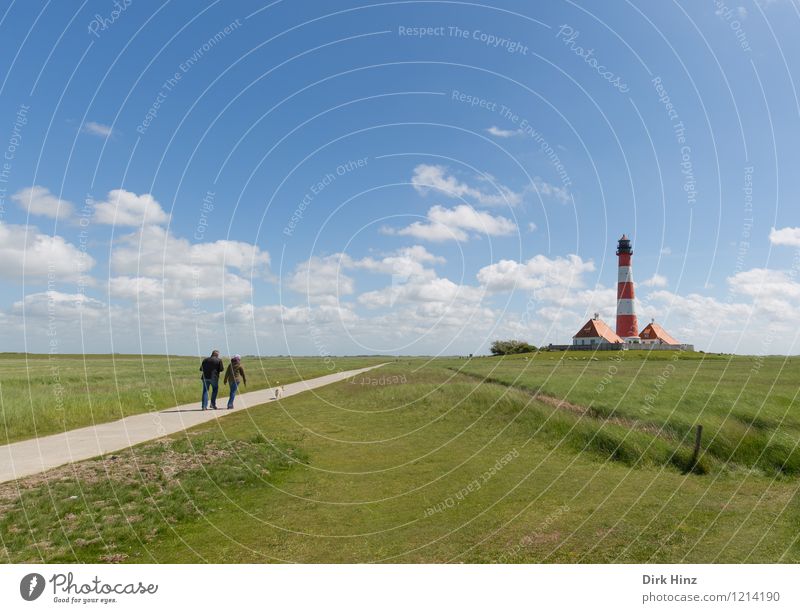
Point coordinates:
pixel 40 454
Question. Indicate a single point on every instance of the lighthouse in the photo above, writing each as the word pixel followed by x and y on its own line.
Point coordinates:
pixel 597 335
pixel 627 326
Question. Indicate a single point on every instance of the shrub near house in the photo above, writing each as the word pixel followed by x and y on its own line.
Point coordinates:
pixel 511 347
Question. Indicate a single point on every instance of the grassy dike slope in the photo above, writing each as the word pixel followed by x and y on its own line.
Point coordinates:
pixel 438 468
pixel 748 406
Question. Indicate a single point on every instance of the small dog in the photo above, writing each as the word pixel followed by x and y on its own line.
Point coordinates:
pixel 278 392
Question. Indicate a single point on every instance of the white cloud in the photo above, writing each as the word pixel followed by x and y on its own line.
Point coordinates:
pixel 27 253
pixel 432 177
pixel 98 129
pixel 531 227
pixel 789 237
pixel 416 304
pixel 582 302
pixel 765 283
pixel 405 262
pixel 755 326
pixel 666 251
pixel 431 313
pixel 759 316
pixel 656 280
pixel 152 263
pixel 308 329
pixel 421 291
pixel 558 300
pixel 538 273
pixel 326 314
pixel 66 308
pixel 426 328
pixel 124 208
pixel 698 314
pixel 155 280
pixel 500 133
pixel 429 232
pixel 77 322
pixel 38 200
pixel 265 316
pixel 322 279
pixel 136 288
pixel 548 190
pixel 456 224
pixel 156 252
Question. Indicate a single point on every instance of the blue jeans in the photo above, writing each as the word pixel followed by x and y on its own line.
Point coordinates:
pixel 214 383
pixel 234 387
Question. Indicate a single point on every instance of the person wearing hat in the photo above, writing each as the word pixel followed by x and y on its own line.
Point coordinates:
pixel 210 369
pixel 234 375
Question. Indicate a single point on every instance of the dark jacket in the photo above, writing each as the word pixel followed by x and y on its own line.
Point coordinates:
pixel 235 372
pixel 211 367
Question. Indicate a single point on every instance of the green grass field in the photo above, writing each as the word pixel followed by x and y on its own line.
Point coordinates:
pixel 42 395
pixel 557 458
pixel 746 405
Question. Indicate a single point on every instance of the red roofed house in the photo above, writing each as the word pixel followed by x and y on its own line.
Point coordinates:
pixel 595 332
pixel 655 334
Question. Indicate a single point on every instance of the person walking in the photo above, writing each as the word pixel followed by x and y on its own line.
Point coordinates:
pixel 210 369
pixel 234 375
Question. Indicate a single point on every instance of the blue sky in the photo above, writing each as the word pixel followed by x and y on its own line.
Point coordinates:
pixel 347 177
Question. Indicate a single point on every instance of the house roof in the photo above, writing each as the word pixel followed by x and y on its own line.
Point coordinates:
pixel 597 327
pixel 655 332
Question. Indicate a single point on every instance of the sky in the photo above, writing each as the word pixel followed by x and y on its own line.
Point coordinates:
pixel 352 177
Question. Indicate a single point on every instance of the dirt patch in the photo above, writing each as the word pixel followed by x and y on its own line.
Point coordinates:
pixel 549 538
pixel 91 509
pixel 583 411
pixel 541 538
pixel 558 403
pixel 145 464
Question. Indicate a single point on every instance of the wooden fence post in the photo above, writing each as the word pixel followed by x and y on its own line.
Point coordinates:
pixel 698 435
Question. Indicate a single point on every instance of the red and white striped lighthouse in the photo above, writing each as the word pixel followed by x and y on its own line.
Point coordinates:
pixel 627 326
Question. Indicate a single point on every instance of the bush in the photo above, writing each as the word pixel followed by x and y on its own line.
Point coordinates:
pixel 511 347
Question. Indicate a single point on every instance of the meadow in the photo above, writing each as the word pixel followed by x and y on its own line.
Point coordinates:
pixel 42 394
pixel 649 402
pixel 558 457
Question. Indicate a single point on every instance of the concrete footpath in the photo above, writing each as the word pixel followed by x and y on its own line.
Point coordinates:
pixel 40 454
